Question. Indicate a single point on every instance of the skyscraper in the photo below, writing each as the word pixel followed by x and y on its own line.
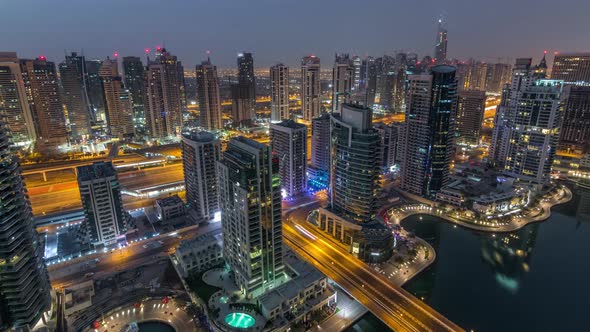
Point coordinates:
pixel 101 199
pixel 498 74
pixel 24 283
pixel 45 103
pixel 279 93
pixel 534 132
pixel 95 92
pixel 200 153
pixel 310 87
pixel 342 81
pixel 470 110
pixel 523 76
pixel 135 82
pixel 246 78
pixel 357 64
pixel 74 80
pixel 250 199
pixel 164 86
pixel 288 141
pixel 14 106
pixel 243 114
pixel 119 110
pixel 370 81
pixel 208 96
pixel 440 48
pixel 571 67
pixel 355 164
pixel 575 129
pixel 320 148
pixel 389 144
pixel 431 103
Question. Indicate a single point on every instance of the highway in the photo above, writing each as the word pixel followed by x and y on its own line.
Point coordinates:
pixel 65 196
pixel 396 307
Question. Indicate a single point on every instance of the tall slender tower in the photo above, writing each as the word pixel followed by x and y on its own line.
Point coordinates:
pixel 14 106
pixel 24 283
pixel 342 81
pixel 200 153
pixel 288 141
pixel 208 96
pixel 95 91
pixel 355 163
pixel 440 48
pixel 246 78
pixel 470 111
pixel 320 148
pixel 135 82
pixel 279 93
pixel 119 111
pixel 42 89
pixel 250 199
pixel 310 87
pixel 242 111
pixel 74 80
pixel 164 93
pixel 431 103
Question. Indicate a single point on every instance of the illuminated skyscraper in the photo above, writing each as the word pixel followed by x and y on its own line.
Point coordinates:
pixel 389 144
pixel 14 106
pixel 42 88
pixel 250 200
pixel 135 82
pixel 279 93
pixel 243 114
pixel 74 80
pixel 310 87
pixel 571 67
pixel 320 149
pixel 575 128
pixel 100 193
pixel 200 153
pixel 355 163
pixel 342 81
pixel 24 283
pixel 119 110
pixel 470 110
pixel 440 48
pixel 95 92
pixel 357 64
pixel 431 103
pixel 208 96
pixel 164 94
pixel 247 80
pixel 288 141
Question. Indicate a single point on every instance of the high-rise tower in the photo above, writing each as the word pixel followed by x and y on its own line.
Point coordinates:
pixel 135 82
pixel 342 81
pixel 74 80
pixel 310 87
pixel 288 141
pixel 279 93
pixel 45 103
pixel 470 111
pixel 440 48
pixel 246 79
pixel 14 106
pixel 200 153
pixel 431 104
pixel 164 94
pixel 250 199
pixel 571 67
pixel 119 110
pixel 24 283
pixel 208 96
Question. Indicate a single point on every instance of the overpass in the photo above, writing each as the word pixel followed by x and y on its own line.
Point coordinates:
pixel 393 305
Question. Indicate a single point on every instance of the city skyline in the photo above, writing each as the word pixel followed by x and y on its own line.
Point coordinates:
pixel 473 30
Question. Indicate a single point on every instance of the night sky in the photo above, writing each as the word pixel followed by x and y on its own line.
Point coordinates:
pixel 285 30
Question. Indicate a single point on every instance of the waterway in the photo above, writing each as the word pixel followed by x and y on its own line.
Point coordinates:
pixel 535 279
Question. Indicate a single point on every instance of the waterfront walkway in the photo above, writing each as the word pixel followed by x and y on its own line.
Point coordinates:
pixel 516 222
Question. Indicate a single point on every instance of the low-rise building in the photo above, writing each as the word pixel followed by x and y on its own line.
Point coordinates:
pixel 199 254
pixel 170 208
pixel 294 301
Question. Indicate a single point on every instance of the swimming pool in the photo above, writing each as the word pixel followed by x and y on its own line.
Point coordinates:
pixel 240 320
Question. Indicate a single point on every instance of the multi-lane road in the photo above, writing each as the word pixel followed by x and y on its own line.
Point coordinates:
pixel 64 195
pixel 396 307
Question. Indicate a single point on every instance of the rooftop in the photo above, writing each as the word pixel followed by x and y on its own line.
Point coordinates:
pixel 96 171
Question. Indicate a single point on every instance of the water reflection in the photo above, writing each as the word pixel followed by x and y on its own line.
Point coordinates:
pixel 509 255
